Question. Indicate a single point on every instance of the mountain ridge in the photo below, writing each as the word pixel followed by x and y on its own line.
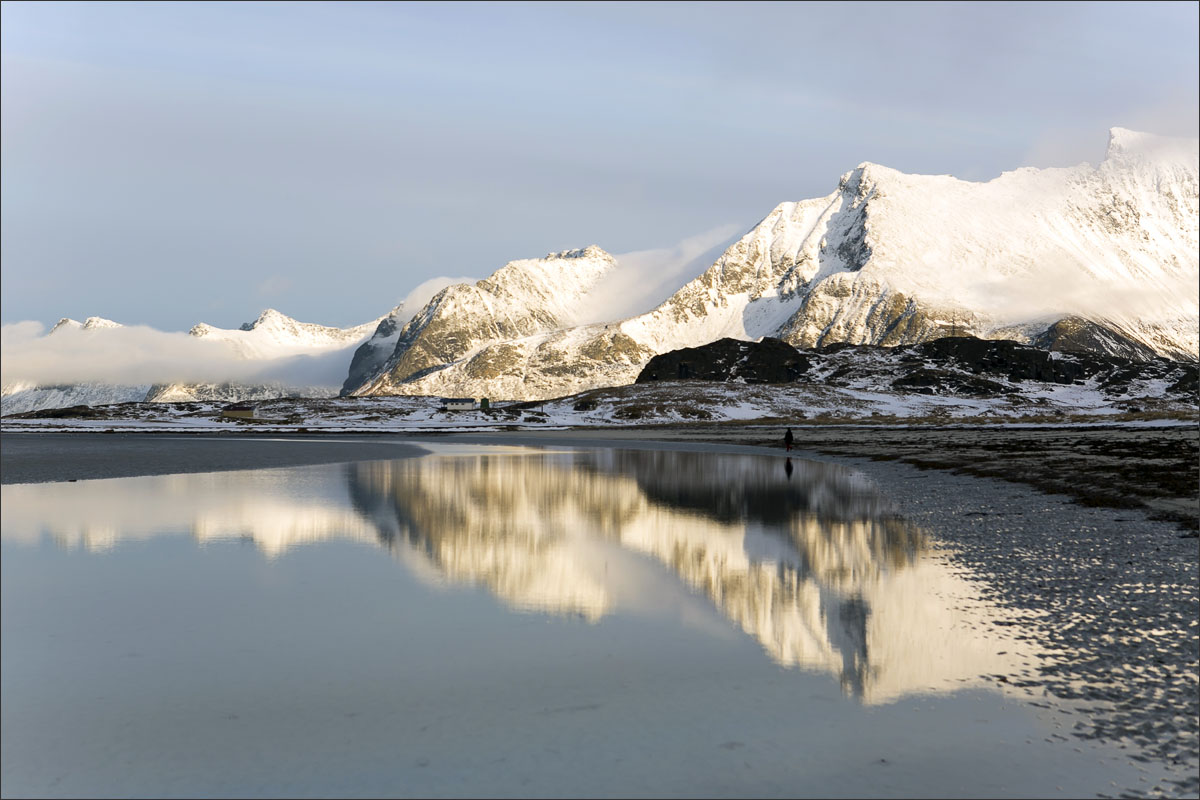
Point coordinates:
pixel 1101 259
pixel 886 259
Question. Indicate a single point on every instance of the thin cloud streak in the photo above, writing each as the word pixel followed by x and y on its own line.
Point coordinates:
pixel 415 300
pixel 644 279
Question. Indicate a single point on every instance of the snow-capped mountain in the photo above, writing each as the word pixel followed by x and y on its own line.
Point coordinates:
pixel 274 343
pixel 483 326
pixel 276 335
pixel 89 324
pixel 1102 257
pixel 1116 245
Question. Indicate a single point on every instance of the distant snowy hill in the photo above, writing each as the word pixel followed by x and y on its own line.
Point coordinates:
pixel 89 324
pixel 1100 258
pixel 272 335
pixel 276 335
pixel 20 396
pixel 274 341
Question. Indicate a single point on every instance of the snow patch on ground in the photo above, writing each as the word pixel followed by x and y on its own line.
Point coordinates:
pixel 637 405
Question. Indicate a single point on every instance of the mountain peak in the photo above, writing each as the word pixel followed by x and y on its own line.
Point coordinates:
pixel 89 324
pixel 591 251
pixel 888 258
pixel 865 177
pixel 66 322
pixel 268 316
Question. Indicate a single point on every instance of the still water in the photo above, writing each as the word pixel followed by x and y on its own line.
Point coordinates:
pixel 507 621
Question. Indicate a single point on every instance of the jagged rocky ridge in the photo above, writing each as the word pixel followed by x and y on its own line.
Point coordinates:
pixel 1103 259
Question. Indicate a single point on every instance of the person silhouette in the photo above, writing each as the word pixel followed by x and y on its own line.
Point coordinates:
pixel 787 467
pixel 787 439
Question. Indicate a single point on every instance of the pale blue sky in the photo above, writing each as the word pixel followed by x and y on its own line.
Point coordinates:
pixel 173 163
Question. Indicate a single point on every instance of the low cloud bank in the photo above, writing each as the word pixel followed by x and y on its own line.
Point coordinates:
pixel 137 354
pixel 1059 289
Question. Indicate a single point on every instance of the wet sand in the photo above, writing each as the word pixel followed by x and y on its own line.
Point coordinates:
pixel 47 457
pixel 38 458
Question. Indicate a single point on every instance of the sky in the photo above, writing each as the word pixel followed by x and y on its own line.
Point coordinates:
pixel 166 164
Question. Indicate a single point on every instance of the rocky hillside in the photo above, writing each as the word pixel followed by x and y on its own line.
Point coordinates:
pixel 506 334
pixel 1102 259
pixel 953 365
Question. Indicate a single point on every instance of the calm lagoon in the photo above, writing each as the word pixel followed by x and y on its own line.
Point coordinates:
pixel 500 621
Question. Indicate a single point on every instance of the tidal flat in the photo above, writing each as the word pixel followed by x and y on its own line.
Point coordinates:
pixel 558 614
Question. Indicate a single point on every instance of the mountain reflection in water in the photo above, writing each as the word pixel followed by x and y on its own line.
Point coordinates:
pixel 813 562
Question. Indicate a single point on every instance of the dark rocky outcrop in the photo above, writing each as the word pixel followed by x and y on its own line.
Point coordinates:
pixel 940 381
pixel 1078 335
pixel 1003 357
pixel 767 361
pixel 959 365
pixel 79 412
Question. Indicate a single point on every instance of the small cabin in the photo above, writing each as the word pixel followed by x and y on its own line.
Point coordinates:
pixel 238 411
pixel 458 403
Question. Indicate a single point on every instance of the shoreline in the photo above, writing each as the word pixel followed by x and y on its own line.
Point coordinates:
pixel 1152 469
pixel 53 458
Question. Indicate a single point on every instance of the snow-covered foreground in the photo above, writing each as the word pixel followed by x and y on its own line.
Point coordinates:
pixel 646 404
